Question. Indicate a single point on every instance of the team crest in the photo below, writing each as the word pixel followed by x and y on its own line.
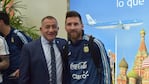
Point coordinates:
pixel 86 48
pixel 12 40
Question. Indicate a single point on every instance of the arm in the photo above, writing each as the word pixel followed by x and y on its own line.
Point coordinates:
pixel 4 63
pixel 20 40
pixel 24 66
pixel 106 75
pixel 4 58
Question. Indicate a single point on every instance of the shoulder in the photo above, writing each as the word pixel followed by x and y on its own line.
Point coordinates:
pixel 33 43
pixel 96 42
pixel 1 39
pixel 60 41
pixel 32 46
pixel 61 44
pixel 19 35
pixel 2 42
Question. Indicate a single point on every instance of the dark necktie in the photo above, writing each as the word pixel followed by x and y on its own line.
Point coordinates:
pixel 53 65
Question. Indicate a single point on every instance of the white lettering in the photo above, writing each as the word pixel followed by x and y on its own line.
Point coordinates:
pixel 120 4
pixel 81 76
pixel 80 65
pixel 130 3
pixel 141 2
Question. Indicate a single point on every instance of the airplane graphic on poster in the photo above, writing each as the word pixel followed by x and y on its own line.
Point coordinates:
pixel 123 24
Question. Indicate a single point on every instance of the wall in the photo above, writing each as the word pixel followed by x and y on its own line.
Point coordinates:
pixel 37 9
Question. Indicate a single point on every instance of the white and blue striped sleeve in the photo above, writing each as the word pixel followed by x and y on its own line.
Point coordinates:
pixel 105 62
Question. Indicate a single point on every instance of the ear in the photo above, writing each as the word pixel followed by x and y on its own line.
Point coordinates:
pixel 57 28
pixel 82 26
pixel 40 28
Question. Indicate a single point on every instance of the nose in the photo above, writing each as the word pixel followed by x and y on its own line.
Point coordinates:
pixel 72 26
pixel 52 28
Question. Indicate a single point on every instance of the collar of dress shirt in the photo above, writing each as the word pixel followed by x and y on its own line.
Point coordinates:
pixel 45 41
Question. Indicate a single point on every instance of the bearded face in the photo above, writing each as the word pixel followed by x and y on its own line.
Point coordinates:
pixel 74 28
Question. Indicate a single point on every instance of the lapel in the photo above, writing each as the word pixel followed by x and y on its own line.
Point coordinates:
pixel 59 44
pixel 42 55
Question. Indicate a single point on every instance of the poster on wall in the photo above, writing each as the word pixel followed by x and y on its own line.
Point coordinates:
pixel 123 26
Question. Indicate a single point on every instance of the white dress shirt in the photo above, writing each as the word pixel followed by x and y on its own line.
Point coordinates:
pixel 47 53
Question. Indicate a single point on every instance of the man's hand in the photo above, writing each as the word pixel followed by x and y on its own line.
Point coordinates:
pixel 15 74
pixel 4 63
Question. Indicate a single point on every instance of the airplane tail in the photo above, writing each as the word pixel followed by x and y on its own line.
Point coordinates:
pixel 90 20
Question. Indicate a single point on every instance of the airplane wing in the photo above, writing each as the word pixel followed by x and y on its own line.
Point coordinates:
pixel 124 24
pixel 106 25
pixel 132 22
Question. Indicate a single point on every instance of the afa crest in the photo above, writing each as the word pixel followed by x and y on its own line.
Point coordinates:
pixel 86 49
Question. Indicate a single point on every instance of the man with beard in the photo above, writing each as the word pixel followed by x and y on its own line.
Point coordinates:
pixel 88 60
pixel 42 61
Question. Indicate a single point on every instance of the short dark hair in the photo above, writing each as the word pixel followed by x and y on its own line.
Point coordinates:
pixel 73 14
pixel 5 17
pixel 48 17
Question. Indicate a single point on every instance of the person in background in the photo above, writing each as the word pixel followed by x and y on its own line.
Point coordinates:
pixel 43 60
pixel 88 60
pixel 15 40
pixel 4 56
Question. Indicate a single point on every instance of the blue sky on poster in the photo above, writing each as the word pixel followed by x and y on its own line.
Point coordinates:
pixel 128 41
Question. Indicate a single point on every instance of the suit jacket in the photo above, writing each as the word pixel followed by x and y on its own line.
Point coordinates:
pixel 33 66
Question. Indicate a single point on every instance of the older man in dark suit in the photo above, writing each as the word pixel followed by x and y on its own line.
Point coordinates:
pixel 44 61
